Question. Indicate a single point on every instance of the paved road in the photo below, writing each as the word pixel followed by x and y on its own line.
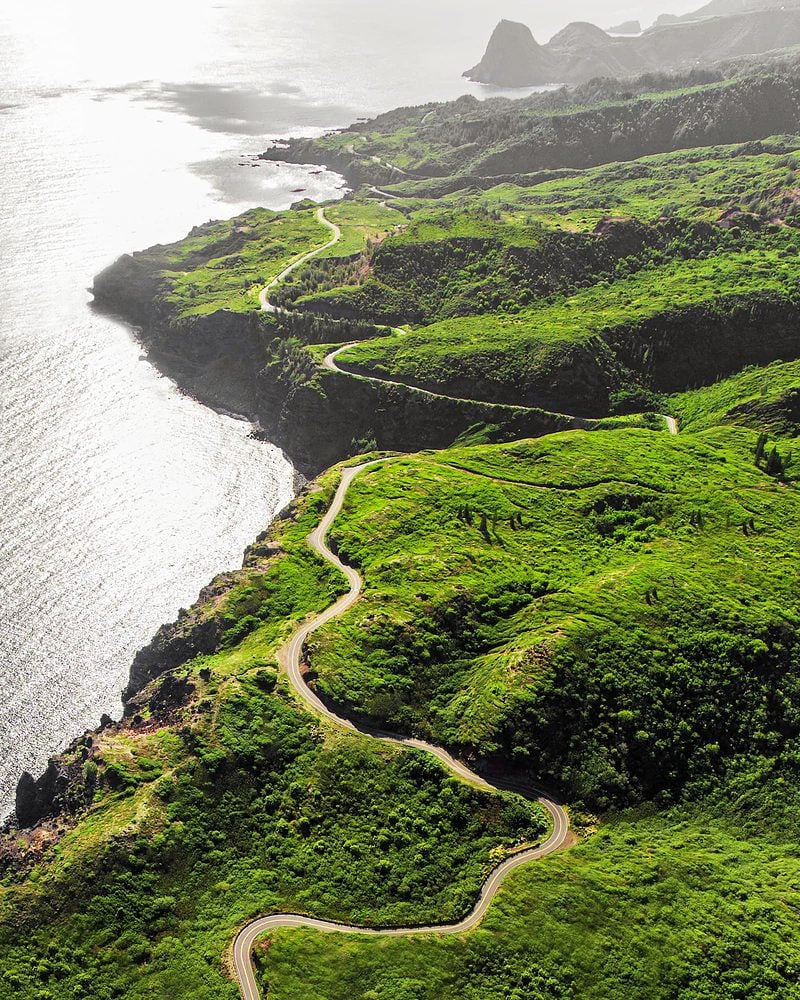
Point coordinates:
pixel 266 305
pixel 291 658
pixel 331 361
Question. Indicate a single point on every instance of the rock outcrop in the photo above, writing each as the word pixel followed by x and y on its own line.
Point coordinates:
pixel 626 28
pixel 35 797
pixel 583 51
pixel 514 58
pixel 65 788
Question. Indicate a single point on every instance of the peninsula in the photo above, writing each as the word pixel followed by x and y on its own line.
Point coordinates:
pixel 508 693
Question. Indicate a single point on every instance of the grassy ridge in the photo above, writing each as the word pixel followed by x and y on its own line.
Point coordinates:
pixel 225 265
pixel 588 636
pixel 698 184
pixel 697 904
pixel 602 122
pixel 614 613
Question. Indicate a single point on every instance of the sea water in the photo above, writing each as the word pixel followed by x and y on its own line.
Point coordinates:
pixel 122 125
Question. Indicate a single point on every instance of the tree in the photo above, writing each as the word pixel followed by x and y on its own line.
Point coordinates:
pixel 761 446
pixel 775 464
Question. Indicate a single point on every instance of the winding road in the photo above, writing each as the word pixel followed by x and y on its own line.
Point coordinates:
pixel 331 361
pixel 263 298
pixel 291 659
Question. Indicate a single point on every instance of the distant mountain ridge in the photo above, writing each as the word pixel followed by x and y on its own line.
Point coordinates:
pixel 582 51
pixel 723 8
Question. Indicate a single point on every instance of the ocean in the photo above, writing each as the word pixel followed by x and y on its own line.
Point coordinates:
pixel 122 126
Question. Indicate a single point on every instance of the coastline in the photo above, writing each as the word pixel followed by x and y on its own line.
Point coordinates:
pixel 217 360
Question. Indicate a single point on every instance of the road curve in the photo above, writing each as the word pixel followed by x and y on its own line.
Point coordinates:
pixel 291 659
pixel 330 362
pixel 263 298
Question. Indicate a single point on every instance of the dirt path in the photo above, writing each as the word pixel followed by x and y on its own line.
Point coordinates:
pixel 263 298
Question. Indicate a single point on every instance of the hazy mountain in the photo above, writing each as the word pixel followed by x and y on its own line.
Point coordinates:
pixel 724 8
pixel 582 51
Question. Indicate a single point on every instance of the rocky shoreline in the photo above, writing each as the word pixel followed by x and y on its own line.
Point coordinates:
pixel 222 360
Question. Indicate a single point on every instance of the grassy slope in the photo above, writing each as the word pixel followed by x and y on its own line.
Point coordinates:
pixel 520 319
pixel 500 354
pixel 696 904
pixel 634 553
pixel 496 255
pixel 698 184
pixel 237 805
pixel 765 398
pixel 225 265
pixel 617 611
pixel 455 137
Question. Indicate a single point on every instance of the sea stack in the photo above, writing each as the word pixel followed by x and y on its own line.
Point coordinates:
pixel 513 58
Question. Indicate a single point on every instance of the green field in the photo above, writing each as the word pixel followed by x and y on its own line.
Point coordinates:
pixel 755 180
pixel 763 398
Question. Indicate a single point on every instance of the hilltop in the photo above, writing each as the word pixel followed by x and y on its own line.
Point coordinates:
pixel 582 51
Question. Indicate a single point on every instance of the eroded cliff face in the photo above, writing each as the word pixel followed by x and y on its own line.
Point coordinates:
pixel 228 361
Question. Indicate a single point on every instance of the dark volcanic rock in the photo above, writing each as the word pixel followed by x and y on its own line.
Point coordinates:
pixel 195 632
pixel 170 696
pixel 36 798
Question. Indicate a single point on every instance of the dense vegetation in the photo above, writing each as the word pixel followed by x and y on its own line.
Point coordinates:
pixel 614 612
pixel 225 265
pixel 766 398
pixel 231 803
pixel 639 331
pixel 694 903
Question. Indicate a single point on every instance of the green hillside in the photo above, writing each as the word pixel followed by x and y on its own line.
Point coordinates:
pixel 613 611
pixel 694 903
pixel 618 610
